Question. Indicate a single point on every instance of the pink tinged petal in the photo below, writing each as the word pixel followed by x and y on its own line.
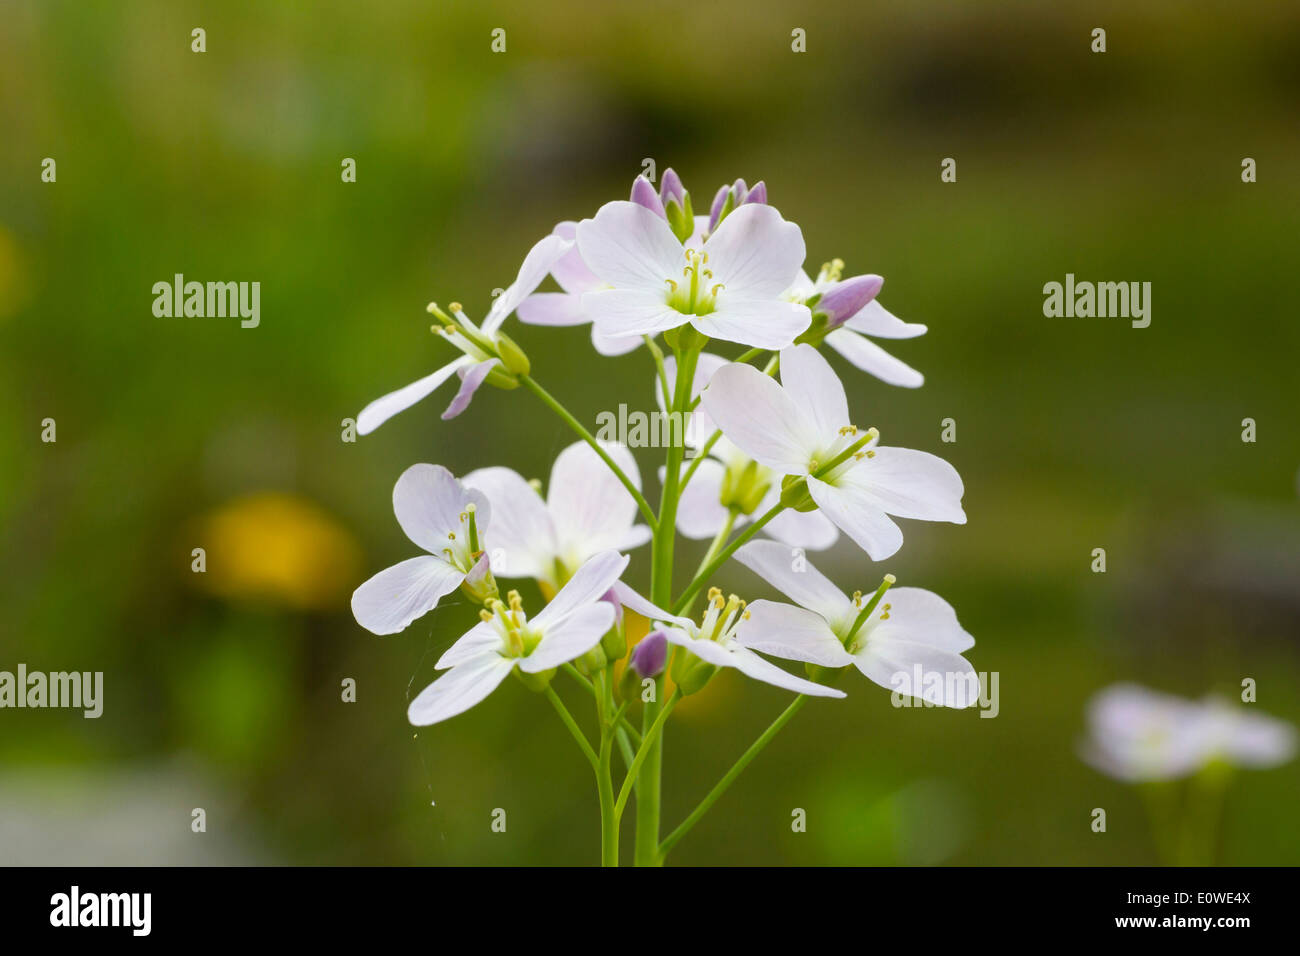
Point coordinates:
pixel 619 313
pixel 629 247
pixel 591 509
pixel 751 665
pixel 800 529
pixel 396 596
pixel 428 502
pixel 470 380
pixel 875 319
pixel 874 360
pixel 643 194
pixel 787 571
pixel 570 271
pixel 699 512
pixel 909 483
pixel 859 516
pixel 478 640
pixel 759 417
pixel 945 678
pixel 587 586
pixel 382 409
pixel 459 689
pixel 921 617
pixel 536 266
pixel 633 601
pixel 813 385
pixel 570 637
pixel 521 542
pixel 846 299
pixel 755 253
pixel 611 345
pixel 552 308
pixel 760 323
pixel 792 634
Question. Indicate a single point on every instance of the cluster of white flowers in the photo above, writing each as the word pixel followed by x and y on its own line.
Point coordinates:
pixel 773 449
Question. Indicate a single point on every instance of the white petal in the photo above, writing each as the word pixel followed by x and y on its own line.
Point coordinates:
pixel 755 253
pixel 591 509
pixel 629 247
pixel 459 689
pixel 610 345
pixel 471 377
pixel 922 617
pixel 544 254
pixel 791 574
pixel 588 585
pixel 757 415
pixel 813 385
pixel 944 677
pixel 760 323
pixel 633 601
pixel 791 633
pixel 909 483
pixel 810 530
pixel 521 542
pixel 570 637
pixel 751 665
pixel 478 640
pixel 396 596
pixel 552 308
pixel 699 512
pixel 570 271
pixel 706 363
pixel 858 516
pixel 619 313
pixel 428 502
pixel 874 319
pixel 871 358
pixel 382 409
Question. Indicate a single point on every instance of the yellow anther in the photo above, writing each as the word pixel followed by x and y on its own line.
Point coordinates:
pixel 516 602
pixel 672 284
pixel 451 535
pixel 456 307
pixel 717 288
pixel 714 593
pixel 857 599
pixel 891 579
pixel 745 616
pixel 485 616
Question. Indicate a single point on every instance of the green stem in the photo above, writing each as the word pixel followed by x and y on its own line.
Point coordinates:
pixel 705 573
pixel 586 436
pixel 754 749
pixel 623 723
pixel 660 370
pixel 572 724
pixel 651 738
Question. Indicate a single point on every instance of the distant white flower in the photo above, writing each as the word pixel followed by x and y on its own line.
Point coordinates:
pixel 570 625
pixel 714 642
pixel 442 517
pixel 909 641
pixel 1137 734
pixel 728 286
pixel 801 429
pixel 587 510
pixel 482 345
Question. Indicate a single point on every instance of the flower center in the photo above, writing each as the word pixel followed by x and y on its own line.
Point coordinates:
pixel 462 549
pixel 696 292
pixel 459 329
pixel 722 617
pixel 860 632
pixel 849 447
pixel 511 623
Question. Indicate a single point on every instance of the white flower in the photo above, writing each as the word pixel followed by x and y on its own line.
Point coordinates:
pixel 909 641
pixel 570 625
pixel 481 345
pixel 714 641
pixel 801 428
pixel 587 510
pixel 1137 734
pixel 847 307
pixel 442 517
pixel 731 479
pixel 728 286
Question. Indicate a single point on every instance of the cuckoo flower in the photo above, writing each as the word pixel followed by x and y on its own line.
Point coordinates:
pixel 801 429
pixel 728 287
pixel 505 639
pixel 907 640
pixel 712 644
pixel 487 350
pixel 446 519
pixel 586 511
pixel 843 308
pixel 1137 734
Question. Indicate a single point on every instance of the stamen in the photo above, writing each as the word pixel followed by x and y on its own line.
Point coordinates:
pixel 865 613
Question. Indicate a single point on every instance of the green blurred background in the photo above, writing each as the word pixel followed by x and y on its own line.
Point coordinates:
pixel 223 689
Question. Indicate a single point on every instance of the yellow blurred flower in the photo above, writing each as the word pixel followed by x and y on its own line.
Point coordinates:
pixel 277 547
